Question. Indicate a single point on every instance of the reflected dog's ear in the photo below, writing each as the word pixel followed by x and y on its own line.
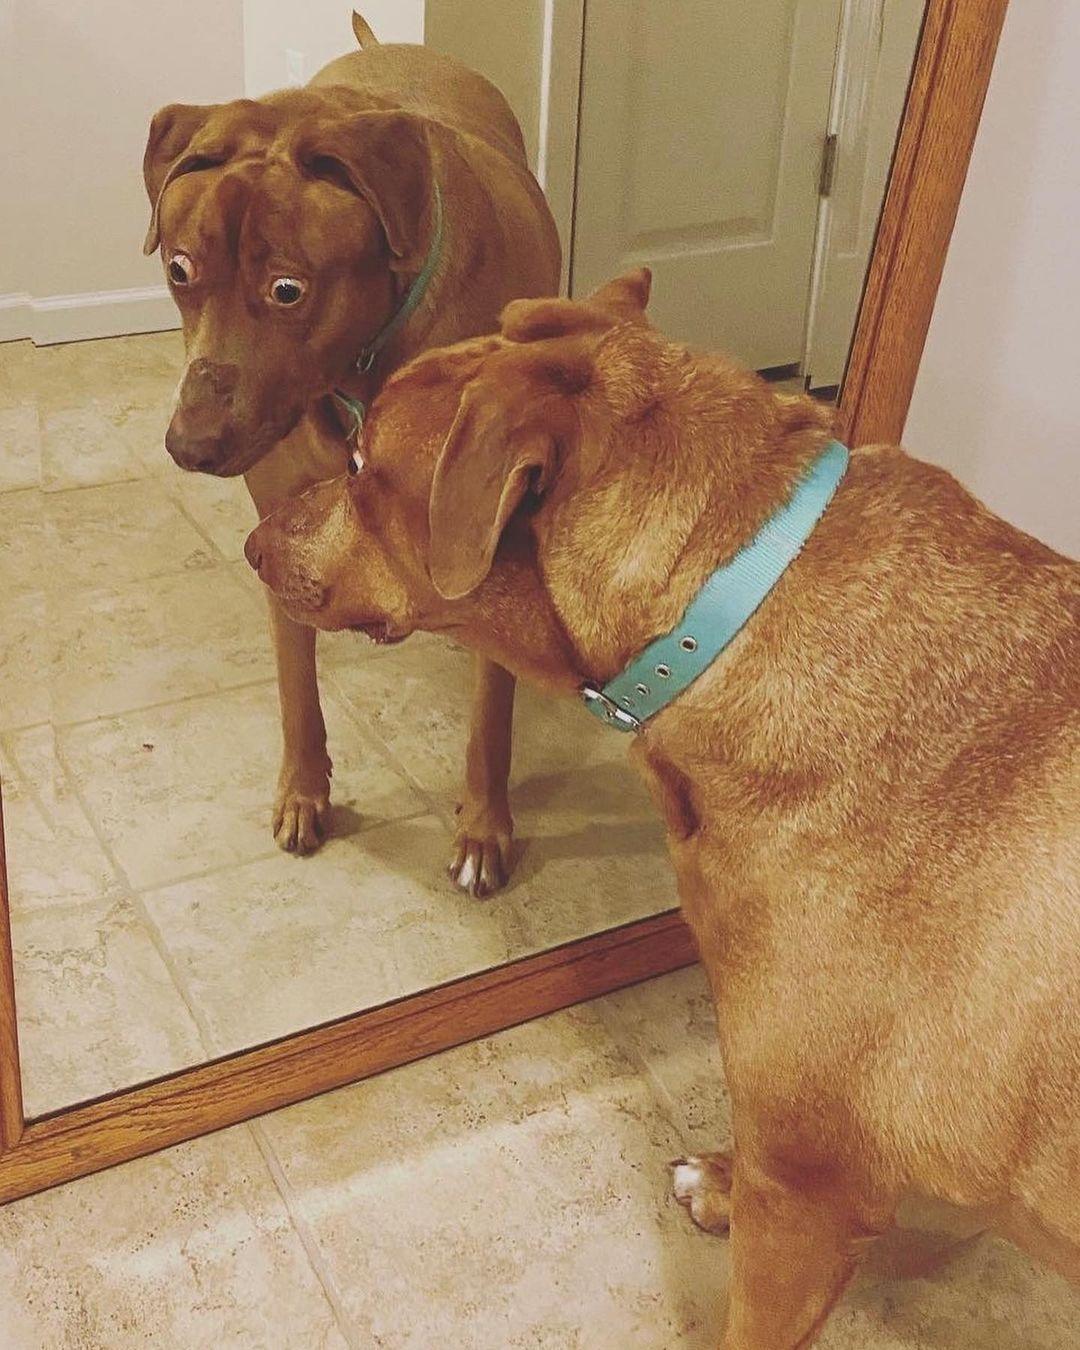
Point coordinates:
pixel 168 155
pixel 497 449
pixel 385 158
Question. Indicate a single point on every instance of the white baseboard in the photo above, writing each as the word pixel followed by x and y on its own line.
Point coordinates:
pixel 46 319
pixel 14 316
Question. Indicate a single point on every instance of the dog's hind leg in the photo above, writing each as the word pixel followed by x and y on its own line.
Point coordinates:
pixel 481 860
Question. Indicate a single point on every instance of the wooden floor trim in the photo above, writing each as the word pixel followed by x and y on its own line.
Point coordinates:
pixel 196 1101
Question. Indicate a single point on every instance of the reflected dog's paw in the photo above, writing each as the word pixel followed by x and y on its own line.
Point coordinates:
pixel 702 1183
pixel 482 858
pixel 302 808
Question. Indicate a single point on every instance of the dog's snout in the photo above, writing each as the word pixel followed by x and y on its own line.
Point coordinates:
pixel 201 436
pixel 269 552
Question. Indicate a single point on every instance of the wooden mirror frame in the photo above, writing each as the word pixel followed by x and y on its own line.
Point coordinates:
pixel 945 98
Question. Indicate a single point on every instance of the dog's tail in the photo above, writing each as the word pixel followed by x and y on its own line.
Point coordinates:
pixel 364 36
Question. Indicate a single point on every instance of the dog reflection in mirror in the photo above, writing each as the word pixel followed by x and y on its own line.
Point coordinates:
pixel 315 239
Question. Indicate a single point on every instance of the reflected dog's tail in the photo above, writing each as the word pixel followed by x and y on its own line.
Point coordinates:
pixel 364 36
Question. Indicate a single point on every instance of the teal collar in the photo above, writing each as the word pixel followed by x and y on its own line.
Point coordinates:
pixel 363 363
pixel 723 605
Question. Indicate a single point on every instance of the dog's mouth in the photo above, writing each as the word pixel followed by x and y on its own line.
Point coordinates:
pixel 379 632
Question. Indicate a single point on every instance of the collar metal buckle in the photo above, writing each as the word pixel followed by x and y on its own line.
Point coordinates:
pixel 605 707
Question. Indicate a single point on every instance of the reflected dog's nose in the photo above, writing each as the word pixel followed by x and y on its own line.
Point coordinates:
pixel 196 454
pixel 200 437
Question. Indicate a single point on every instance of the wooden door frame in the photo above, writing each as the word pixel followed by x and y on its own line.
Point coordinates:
pixel 948 86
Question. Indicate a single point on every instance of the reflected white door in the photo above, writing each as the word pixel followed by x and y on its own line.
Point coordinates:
pixel 877 52
pixel 700 145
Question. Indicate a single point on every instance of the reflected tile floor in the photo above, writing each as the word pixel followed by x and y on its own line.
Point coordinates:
pixel 510 1193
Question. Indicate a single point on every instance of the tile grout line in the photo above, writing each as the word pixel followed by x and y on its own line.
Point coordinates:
pixel 23 779
pixel 665 1101
pixel 262 681
pixel 174 497
pixel 368 731
pixel 308 1240
pixel 271 1162
pixel 137 903
pixel 125 886
pixel 269 1158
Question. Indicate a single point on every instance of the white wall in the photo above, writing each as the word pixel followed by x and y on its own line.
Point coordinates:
pixel 316 31
pixel 995 401
pixel 81 82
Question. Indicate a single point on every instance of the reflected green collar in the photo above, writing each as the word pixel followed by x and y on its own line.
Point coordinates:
pixel 723 605
pixel 366 359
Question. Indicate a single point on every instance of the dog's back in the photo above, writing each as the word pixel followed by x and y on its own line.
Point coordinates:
pixel 431 84
pixel 936 653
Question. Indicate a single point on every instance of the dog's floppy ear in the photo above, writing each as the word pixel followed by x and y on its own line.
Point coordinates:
pixel 167 155
pixel 495 451
pixel 384 157
pixel 620 301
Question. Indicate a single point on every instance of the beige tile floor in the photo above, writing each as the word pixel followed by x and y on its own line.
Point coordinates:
pixel 139 744
pixel 511 1193
pixel 508 1194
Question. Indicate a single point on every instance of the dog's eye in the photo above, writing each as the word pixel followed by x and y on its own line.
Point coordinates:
pixel 356 463
pixel 287 291
pixel 182 270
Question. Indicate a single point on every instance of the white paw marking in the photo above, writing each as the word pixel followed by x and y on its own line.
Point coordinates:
pixel 467 874
pixel 687 1180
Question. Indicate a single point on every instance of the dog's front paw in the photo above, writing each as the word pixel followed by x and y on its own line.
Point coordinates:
pixel 302 808
pixel 702 1183
pixel 482 859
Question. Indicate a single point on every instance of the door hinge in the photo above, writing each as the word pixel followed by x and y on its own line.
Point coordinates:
pixel 828 164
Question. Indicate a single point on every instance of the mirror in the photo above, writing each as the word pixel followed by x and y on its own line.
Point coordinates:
pixel 743 155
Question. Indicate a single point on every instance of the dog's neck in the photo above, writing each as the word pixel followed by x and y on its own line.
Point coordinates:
pixel 652 528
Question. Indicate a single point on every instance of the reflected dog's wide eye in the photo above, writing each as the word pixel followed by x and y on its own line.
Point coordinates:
pixel 181 269
pixel 287 291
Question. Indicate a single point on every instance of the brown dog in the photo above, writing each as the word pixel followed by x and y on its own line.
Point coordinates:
pixel 293 230
pixel 872 796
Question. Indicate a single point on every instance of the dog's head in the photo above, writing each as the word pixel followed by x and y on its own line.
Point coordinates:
pixel 284 226
pixel 535 493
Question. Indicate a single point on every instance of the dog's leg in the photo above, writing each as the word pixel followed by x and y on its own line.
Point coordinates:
pixel 481 860
pixel 302 806
pixel 702 1182
pixel 791 1256
pixel 302 803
